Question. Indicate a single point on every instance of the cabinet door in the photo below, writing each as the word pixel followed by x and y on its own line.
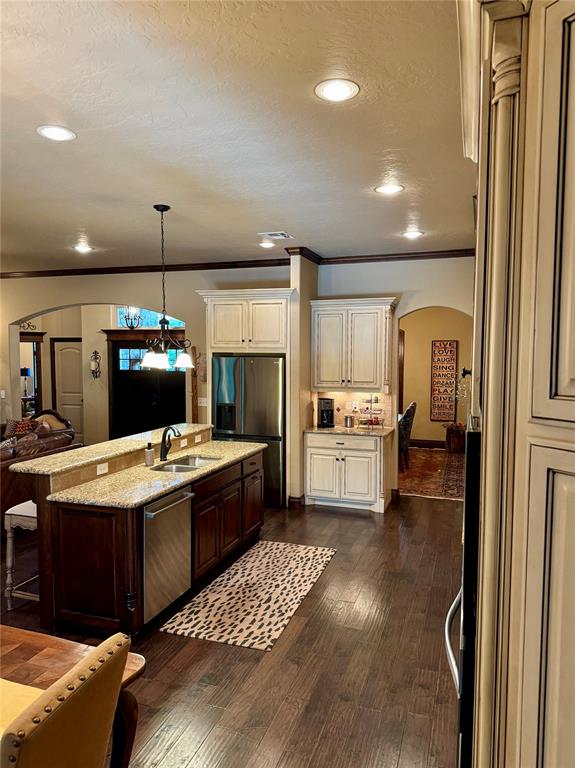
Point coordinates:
pixel 328 349
pixel 365 349
pixel 206 535
pixel 227 321
pixel 359 477
pixel 253 506
pixel 231 517
pixel 323 474
pixel 267 323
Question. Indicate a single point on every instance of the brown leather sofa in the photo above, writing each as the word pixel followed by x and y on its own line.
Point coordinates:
pixel 15 487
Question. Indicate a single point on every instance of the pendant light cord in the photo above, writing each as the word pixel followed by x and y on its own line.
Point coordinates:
pixel 163 264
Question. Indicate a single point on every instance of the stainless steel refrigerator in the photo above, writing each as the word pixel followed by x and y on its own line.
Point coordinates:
pixel 248 403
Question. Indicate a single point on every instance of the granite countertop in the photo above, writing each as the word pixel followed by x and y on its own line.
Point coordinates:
pixel 89 454
pixel 380 431
pixel 139 485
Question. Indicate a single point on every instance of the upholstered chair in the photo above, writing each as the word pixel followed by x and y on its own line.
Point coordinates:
pixel 69 724
pixel 404 428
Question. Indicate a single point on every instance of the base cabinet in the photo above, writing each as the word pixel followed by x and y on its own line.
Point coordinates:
pixel 98 553
pixel 206 535
pixel 343 471
pixel 253 506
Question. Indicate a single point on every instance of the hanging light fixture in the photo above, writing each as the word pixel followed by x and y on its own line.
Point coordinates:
pixel 158 346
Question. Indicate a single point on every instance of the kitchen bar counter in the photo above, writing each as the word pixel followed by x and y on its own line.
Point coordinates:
pixel 136 486
pixel 91 454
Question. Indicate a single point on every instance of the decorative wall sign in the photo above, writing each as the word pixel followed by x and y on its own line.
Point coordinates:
pixel 443 401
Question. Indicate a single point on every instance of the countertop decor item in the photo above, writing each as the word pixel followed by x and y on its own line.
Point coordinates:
pixel 158 346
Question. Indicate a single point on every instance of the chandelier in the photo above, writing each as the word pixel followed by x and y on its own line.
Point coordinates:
pixel 158 346
pixel 131 318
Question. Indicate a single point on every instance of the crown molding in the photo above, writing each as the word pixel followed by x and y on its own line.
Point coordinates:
pixel 206 266
pixel 460 253
pixel 307 253
pixel 189 267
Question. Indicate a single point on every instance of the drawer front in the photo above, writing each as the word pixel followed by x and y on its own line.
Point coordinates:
pixel 343 442
pixel 251 465
pixel 203 489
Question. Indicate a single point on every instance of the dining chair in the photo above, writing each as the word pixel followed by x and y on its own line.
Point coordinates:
pixel 68 725
pixel 404 427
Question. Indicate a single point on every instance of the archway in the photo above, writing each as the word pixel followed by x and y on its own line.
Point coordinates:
pixel 435 344
pixel 76 332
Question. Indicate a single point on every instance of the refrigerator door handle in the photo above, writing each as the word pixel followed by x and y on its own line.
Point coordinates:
pixel 451 614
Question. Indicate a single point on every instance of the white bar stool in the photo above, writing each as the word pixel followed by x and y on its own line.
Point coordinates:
pixel 20 516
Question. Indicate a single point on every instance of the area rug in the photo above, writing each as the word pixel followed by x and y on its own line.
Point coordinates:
pixel 434 473
pixel 251 603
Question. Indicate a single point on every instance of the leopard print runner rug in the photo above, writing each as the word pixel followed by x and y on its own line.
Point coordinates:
pixel 251 603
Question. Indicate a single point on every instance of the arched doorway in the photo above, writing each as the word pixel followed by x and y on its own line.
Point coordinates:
pixel 435 344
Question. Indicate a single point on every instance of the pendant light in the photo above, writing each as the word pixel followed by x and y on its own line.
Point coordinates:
pixel 158 346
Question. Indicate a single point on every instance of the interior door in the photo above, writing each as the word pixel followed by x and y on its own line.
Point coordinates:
pixel 142 399
pixel 67 383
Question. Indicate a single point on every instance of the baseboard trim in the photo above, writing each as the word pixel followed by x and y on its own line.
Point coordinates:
pixel 427 443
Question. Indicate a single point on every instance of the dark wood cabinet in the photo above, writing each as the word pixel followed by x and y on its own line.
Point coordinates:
pixel 97 553
pixel 253 505
pixel 206 535
pixel 231 514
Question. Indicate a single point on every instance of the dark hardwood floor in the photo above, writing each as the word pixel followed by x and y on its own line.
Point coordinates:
pixel 358 679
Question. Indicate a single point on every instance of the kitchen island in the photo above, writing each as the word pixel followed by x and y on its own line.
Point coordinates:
pixel 119 542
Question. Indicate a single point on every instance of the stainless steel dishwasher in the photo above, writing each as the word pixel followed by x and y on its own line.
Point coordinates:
pixel 167 550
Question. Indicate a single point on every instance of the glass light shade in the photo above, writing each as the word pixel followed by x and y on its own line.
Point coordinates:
pixel 183 360
pixel 336 89
pixel 161 361
pixel 149 359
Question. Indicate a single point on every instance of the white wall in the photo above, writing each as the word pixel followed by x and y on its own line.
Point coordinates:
pixel 425 283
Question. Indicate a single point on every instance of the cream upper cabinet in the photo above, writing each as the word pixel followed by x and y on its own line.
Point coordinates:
pixel 227 321
pixel 365 348
pixel 267 323
pixel 248 320
pixel 329 344
pixel 351 344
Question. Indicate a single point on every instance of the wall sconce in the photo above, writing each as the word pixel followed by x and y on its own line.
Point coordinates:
pixel 95 359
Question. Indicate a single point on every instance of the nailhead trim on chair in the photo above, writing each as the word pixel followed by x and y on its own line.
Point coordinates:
pixel 37 720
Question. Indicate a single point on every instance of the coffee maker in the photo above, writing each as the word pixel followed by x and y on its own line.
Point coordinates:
pixel 325 412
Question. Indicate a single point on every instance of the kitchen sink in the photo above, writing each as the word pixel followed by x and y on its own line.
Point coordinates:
pixel 185 464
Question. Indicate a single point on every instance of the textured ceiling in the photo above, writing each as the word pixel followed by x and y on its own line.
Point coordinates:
pixel 209 106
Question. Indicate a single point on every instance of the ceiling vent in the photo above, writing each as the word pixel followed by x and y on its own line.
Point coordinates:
pixel 276 235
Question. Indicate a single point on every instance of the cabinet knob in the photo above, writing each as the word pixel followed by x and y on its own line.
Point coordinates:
pixel 250 341
pixel 343 381
pixel 349 381
pixel 243 341
pixel 343 459
pixel 337 459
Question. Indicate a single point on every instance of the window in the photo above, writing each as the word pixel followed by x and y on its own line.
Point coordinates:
pixel 150 319
pixel 131 359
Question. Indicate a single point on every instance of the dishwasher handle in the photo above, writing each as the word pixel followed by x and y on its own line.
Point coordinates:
pixel 158 512
pixel 447 635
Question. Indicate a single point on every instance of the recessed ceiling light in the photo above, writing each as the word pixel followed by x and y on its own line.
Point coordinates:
pixel 336 90
pixel 83 247
pixel 412 234
pixel 266 244
pixel 389 189
pixel 56 132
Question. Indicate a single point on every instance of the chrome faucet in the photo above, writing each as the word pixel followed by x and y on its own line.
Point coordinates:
pixel 167 442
